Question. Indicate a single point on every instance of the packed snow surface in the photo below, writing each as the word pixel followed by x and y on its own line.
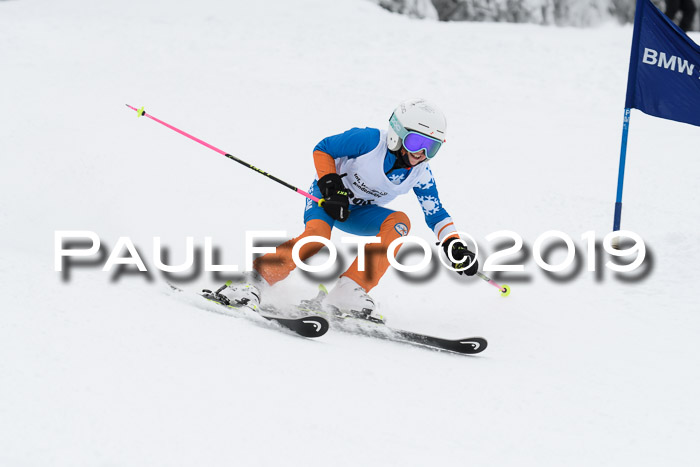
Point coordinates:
pixel 99 368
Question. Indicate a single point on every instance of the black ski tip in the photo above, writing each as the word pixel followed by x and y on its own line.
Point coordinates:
pixel 470 345
pixel 312 326
pixel 308 326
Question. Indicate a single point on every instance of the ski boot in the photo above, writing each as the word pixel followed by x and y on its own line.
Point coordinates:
pixel 246 293
pixel 348 299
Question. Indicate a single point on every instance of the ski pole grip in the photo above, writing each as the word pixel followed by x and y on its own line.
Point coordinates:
pixel 321 202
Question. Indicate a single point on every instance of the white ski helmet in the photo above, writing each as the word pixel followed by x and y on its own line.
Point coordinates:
pixel 416 116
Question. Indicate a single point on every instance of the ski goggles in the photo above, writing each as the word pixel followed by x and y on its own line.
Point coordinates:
pixel 414 141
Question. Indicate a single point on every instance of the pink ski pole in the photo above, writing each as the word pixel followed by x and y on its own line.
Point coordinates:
pixel 141 113
pixel 505 290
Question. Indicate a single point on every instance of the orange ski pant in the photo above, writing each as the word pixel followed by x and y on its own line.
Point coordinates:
pixel 275 267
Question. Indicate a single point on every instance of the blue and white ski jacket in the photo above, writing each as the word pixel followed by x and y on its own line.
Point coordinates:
pixel 362 154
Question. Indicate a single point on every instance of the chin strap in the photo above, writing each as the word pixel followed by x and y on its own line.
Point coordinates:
pixel 400 162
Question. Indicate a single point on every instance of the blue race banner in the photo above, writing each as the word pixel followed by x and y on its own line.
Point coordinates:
pixel 664 73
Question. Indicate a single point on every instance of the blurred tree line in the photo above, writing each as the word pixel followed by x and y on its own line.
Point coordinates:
pixel 579 13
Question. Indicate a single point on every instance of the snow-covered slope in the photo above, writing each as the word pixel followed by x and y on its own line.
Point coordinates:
pixel 101 369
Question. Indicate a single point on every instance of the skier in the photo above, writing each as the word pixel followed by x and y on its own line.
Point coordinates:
pixel 687 7
pixel 359 171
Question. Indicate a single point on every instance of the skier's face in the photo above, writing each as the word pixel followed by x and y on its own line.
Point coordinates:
pixel 416 157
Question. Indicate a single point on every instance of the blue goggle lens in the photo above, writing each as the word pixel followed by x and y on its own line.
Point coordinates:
pixel 414 142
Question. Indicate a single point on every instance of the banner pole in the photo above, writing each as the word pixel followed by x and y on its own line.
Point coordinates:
pixel 621 177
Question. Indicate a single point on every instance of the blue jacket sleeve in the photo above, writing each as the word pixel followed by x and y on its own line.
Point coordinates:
pixel 353 143
pixel 436 216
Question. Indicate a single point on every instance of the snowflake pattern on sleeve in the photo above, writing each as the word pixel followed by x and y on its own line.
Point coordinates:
pixel 430 204
pixel 429 199
pixel 426 181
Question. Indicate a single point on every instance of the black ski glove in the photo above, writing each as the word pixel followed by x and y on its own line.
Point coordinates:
pixel 335 197
pixel 462 256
